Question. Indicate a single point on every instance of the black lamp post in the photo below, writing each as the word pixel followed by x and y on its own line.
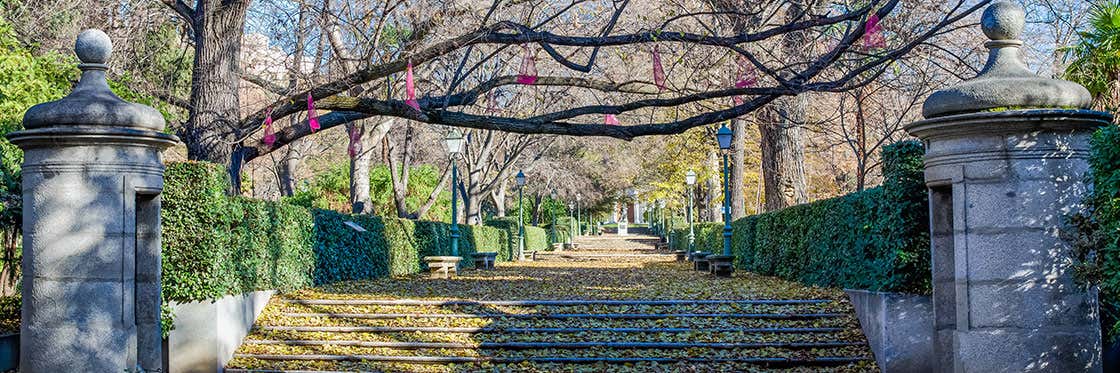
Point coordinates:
pixel 690 180
pixel 454 147
pixel 520 217
pixel 579 228
pixel 552 213
pixel 721 265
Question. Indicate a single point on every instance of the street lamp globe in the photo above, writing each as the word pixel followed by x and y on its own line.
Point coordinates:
pixel 723 136
pixel 454 142
pixel 520 179
pixel 690 178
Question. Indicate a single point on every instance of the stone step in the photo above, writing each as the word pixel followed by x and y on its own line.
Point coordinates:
pixel 771 362
pixel 480 330
pixel 768 316
pixel 552 302
pixel 556 345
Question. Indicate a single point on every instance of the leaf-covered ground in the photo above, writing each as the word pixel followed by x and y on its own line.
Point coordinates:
pixel 825 328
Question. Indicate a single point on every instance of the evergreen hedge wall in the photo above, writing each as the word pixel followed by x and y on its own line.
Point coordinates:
pixel 536 238
pixel 1099 235
pixel 214 245
pixel 876 239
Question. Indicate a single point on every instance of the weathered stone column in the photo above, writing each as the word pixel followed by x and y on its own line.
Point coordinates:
pixel 92 176
pixel 1005 162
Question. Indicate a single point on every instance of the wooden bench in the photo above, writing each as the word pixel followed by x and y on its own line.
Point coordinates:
pixel 680 255
pixel 721 265
pixel 484 260
pixel 443 266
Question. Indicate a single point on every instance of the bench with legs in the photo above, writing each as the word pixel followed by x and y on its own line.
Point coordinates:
pixel 443 266
pixel 484 260
pixel 700 261
pixel 721 265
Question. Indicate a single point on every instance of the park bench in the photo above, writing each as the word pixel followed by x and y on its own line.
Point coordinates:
pixel 484 260
pixel 443 266
pixel 721 265
pixel 700 260
pixel 680 255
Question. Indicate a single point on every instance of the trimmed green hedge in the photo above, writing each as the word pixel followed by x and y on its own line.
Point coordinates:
pixel 536 238
pixel 1099 235
pixel 876 239
pixel 214 245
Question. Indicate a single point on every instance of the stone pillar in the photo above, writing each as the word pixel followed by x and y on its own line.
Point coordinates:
pixel 92 176
pixel 1005 162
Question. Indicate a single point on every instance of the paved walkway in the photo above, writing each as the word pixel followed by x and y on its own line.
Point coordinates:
pixel 614 304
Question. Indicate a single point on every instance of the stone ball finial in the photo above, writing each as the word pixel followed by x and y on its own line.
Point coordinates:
pixel 93 46
pixel 1003 21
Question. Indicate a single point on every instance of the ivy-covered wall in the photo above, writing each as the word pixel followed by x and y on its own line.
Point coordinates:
pixel 876 239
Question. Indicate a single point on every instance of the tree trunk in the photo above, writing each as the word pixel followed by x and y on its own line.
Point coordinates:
pixel 211 129
pixel 738 161
pixel 360 202
pixel 535 215
pixel 499 198
pixel 713 189
pixel 783 153
pixel 289 167
pixel 359 171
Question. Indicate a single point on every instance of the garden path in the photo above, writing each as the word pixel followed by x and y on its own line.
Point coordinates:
pixel 613 304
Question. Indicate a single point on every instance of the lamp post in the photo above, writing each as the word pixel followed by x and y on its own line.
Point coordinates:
pixel 721 265
pixel 571 229
pixel 579 229
pixel 690 180
pixel 454 146
pixel 552 213
pixel 520 217
pixel 661 219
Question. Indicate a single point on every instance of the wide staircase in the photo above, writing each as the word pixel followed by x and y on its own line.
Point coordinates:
pixel 614 304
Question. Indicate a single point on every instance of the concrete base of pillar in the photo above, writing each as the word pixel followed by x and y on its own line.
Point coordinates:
pixel 899 328
pixel 207 334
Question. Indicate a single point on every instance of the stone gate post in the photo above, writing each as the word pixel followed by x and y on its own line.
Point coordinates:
pixel 92 176
pixel 1005 162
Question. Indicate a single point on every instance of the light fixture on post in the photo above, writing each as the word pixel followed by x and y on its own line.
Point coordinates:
pixel 721 265
pixel 552 214
pixel 661 219
pixel 571 228
pixel 454 142
pixel 690 180
pixel 579 228
pixel 520 217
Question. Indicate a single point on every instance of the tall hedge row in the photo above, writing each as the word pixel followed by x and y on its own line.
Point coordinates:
pixel 214 245
pixel 1100 236
pixel 536 238
pixel 875 239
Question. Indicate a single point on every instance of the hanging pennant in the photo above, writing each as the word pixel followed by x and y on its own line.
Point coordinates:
pixel 312 115
pixel 528 73
pixel 269 136
pixel 658 70
pixel 410 89
pixel 611 120
pixel 355 141
pixel 746 77
pixel 872 35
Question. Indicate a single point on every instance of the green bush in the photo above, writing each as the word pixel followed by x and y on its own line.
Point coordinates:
pixel 1103 228
pixel 214 245
pixel 876 239
pixel 536 238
